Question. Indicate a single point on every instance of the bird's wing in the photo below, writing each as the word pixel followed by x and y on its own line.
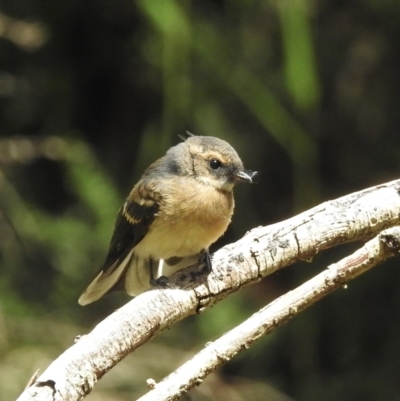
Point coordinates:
pixel 132 224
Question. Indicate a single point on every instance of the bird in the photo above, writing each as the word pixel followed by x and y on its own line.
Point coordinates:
pixel 180 206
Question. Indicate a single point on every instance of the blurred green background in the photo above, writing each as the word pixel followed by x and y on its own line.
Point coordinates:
pixel 91 92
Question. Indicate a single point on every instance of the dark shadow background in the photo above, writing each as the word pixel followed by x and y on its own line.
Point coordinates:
pixel 92 92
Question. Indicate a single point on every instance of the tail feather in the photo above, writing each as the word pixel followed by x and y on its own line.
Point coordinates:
pixel 104 282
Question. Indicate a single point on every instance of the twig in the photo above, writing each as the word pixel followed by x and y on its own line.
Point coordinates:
pixel 217 353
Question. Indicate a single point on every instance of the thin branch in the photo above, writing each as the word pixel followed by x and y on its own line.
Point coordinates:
pixel 358 216
pixel 278 312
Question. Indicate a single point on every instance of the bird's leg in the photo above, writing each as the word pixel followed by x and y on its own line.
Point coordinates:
pixel 161 281
pixel 205 258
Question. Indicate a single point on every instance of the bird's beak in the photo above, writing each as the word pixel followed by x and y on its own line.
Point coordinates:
pixel 246 175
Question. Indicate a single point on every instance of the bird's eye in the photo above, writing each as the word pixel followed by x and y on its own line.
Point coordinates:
pixel 215 164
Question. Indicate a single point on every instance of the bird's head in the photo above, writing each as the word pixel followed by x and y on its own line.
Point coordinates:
pixel 210 160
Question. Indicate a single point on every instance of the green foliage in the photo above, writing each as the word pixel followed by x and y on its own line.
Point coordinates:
pixel 92 92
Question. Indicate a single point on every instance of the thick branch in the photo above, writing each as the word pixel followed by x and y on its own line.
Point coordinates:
pixel 217 353
pixel 260 252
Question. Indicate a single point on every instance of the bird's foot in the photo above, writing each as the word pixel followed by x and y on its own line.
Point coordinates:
pixel 161 281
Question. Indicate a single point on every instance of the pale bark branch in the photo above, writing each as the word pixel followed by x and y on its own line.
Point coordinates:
pixel 278 312
pixel 358 216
